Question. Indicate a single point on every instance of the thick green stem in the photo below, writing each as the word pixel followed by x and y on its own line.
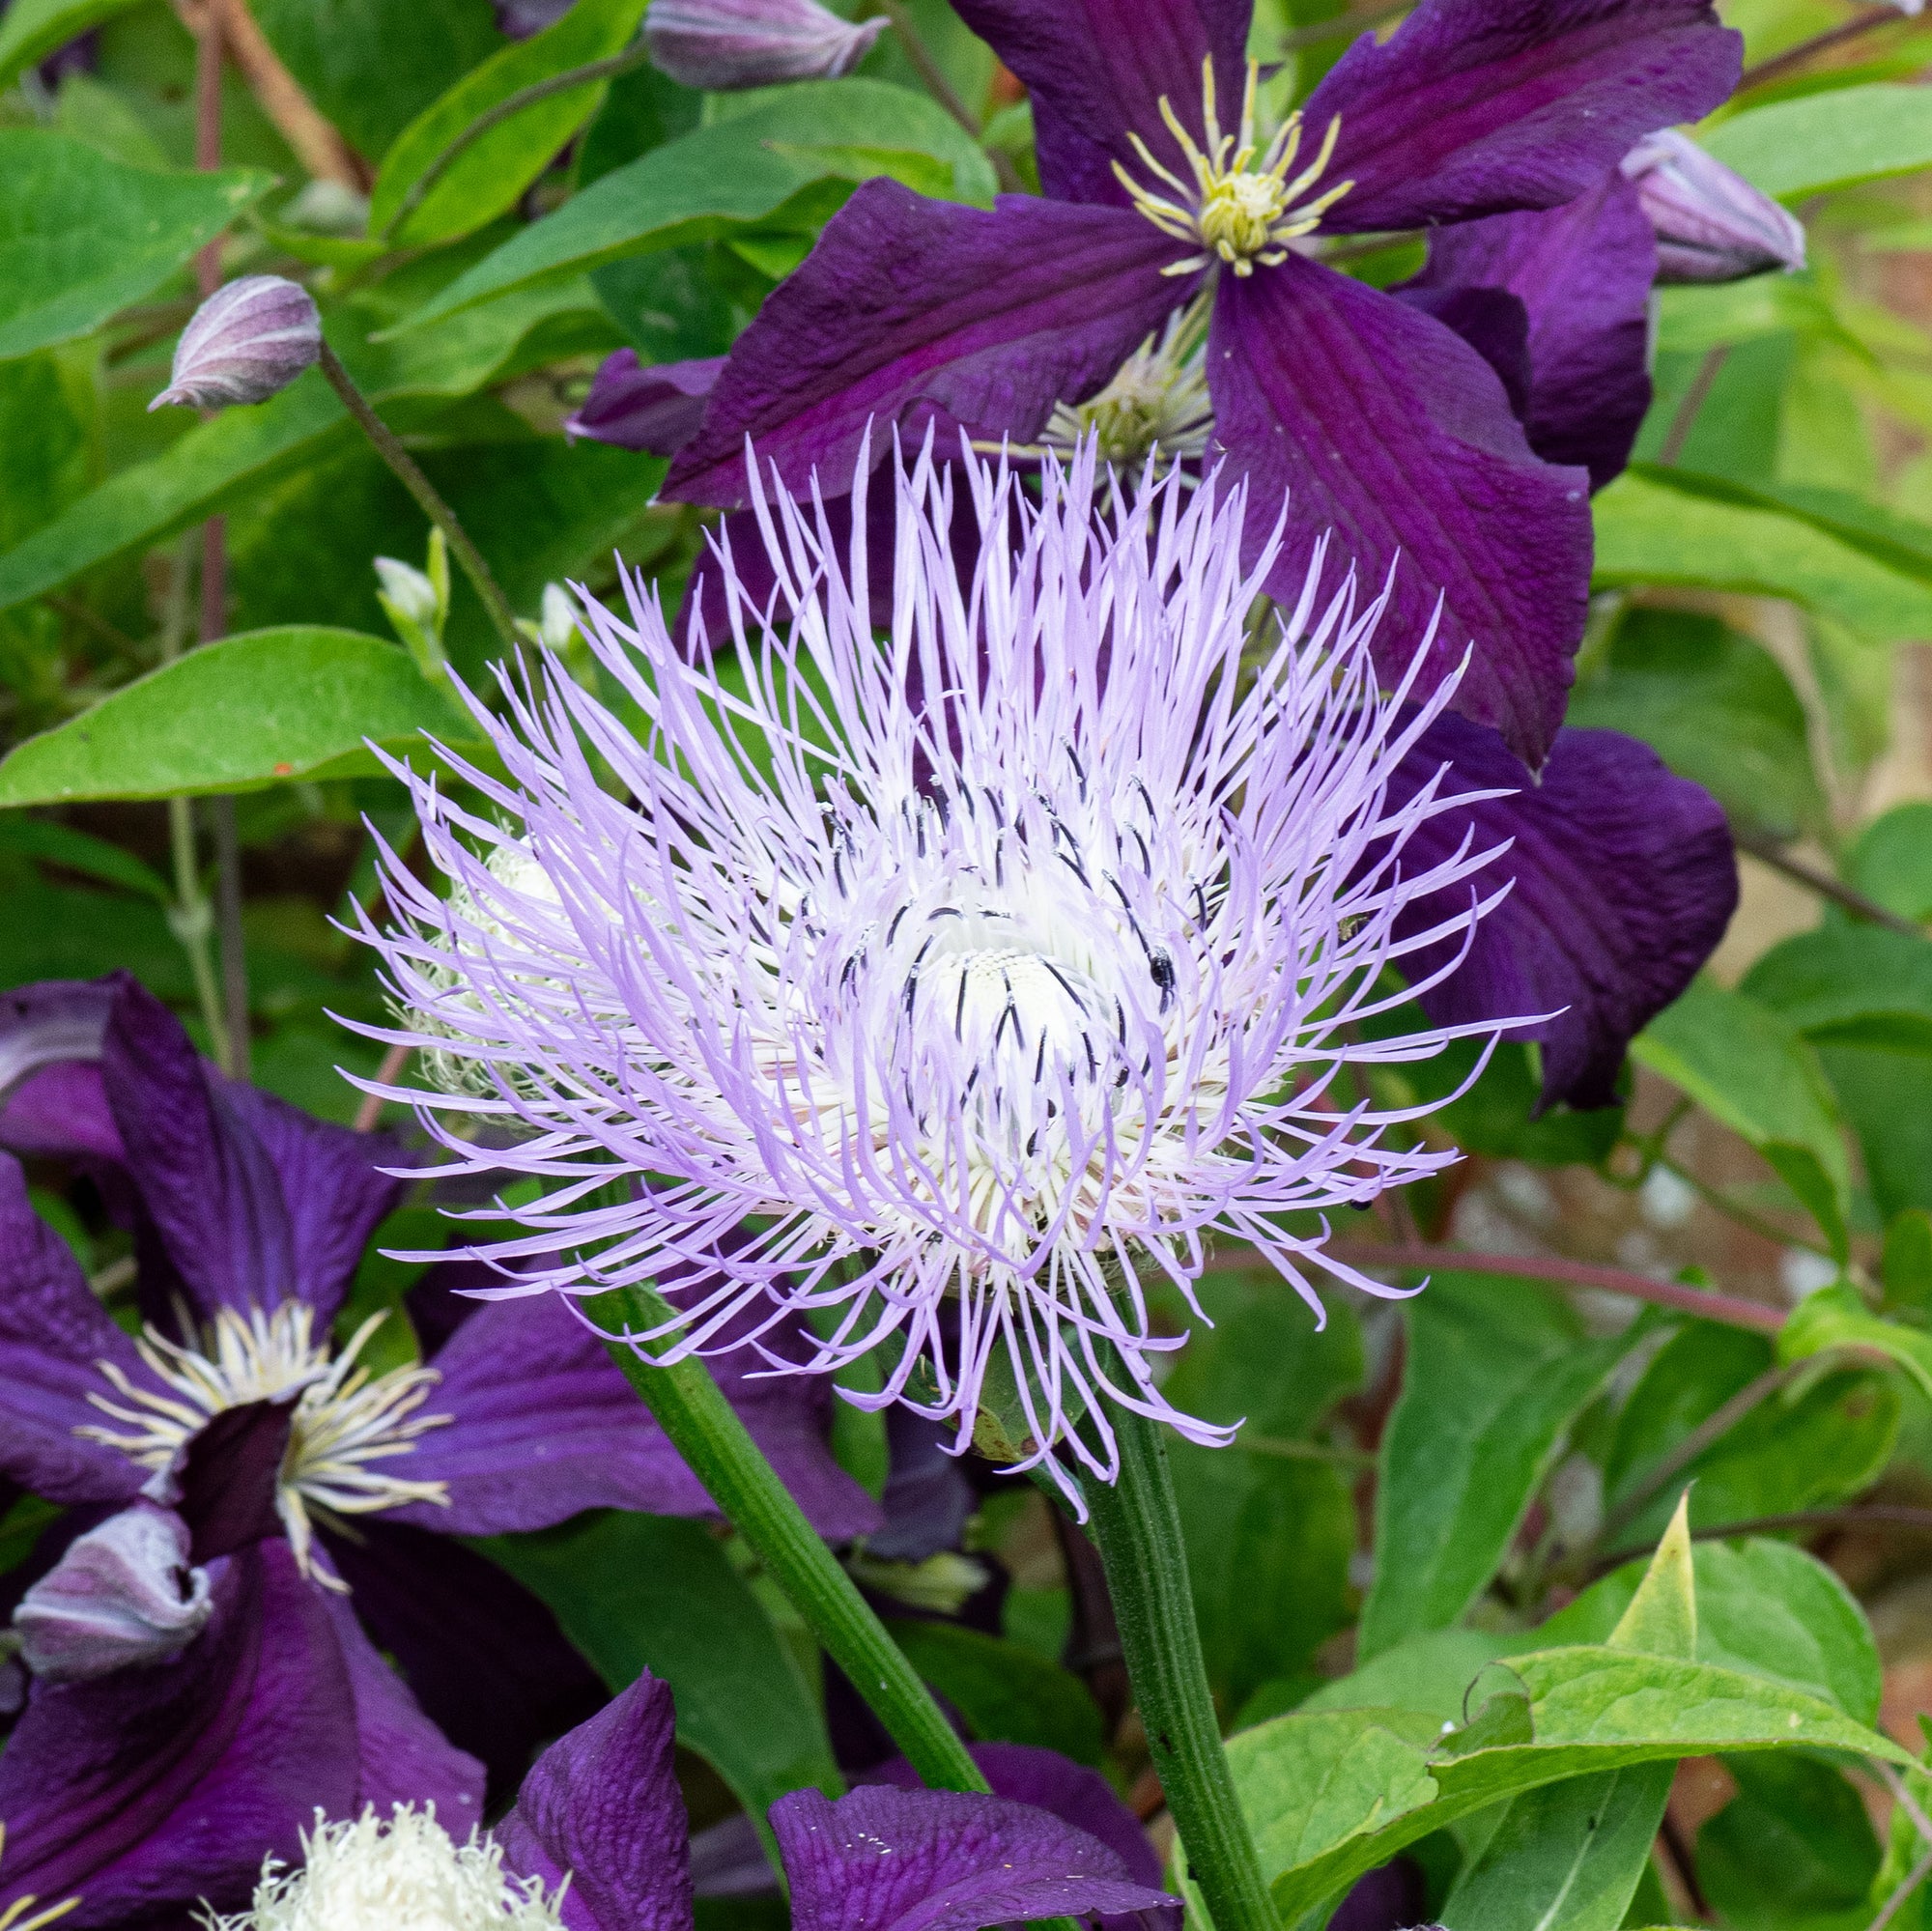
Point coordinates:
pixel 391 449
pixel 705 1430
pixel 1136 1526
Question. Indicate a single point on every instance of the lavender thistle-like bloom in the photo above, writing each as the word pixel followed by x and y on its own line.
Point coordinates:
pixel 978 972
pixel 248 341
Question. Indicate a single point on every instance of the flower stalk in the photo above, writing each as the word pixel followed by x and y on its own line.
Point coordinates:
pixel 428 499
pixel 1136 1524
pixel 704 1429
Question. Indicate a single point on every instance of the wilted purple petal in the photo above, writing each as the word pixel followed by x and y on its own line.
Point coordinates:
pixel 1095 70
pixel 401 1756
pixel 1710 224
pixel 910 313
pixel 1625 881
pixel 248 341
pixel 1584 274
pixel 453 1620
pixel 886 1859
pixel 41 1025
pixel 603 1804
pixel 1483 106
pixel 123 1593
pixel 153 1787
pixel 733 43
pixel 224 1477
pixel 1381 425
pixel 53 1333
pixel 654 408
pixel 545 1426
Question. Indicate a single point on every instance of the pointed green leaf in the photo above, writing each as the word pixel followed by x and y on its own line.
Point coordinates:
pixel 1661 1619
pixel 1835 1318
pixel 82 235
pixel 1834 139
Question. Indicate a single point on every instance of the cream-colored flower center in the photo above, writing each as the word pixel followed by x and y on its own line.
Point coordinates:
pixel 1157 405
pixel 1241 203
pixel 345 1418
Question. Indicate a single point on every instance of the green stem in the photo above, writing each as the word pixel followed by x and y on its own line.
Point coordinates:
pixel 428 501
pixel 704 1429
pixel 1136 1524
pixel 507 109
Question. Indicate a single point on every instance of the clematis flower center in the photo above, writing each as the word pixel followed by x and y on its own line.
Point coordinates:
pixel 1241 203
pixel 345 1419
pixel 1156 404
pixel 402 1871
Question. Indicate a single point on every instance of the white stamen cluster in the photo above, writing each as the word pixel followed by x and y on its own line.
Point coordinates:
pixel 345 1418
pixel 1240 205
pixel 405 1873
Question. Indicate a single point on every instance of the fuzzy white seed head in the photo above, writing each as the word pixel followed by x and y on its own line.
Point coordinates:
pixel 400 1873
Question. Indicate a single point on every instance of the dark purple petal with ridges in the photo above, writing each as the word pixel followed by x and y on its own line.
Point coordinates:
pixel 453 1620
pixel 153 1788
pixel 545 1426
pixel 603 1804
pixel 53 1333
pixel 886 1859
pixel 654 408
pixel 401 1756
pixel 1381 425
pixel 1483 106
pixel 911 313
pixel 1584 274
pixel 225 1477
pixel 206 1181
pixel 1023 1773
pixel 1625 881
pixel 1492 321
pixel 1095 72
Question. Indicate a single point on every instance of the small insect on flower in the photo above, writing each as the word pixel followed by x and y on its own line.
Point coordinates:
pixel 952 986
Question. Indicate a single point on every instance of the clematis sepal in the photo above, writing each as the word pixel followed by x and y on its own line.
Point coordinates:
pixel 1710 224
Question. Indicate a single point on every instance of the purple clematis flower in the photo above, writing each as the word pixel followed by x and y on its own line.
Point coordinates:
pixel 1377 420
pixel 597 1842
pixel 250 1218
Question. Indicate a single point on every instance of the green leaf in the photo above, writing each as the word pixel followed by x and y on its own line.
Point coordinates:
pixel 1793 1851
pixel 727 176
pixel 1749 1068
pixel 1850 985
pixel 33 29
pixel 373 66
pixel 1661 1619
pixel 1332 1795
pixel 494 170
pixel 1906 1265
pixel 56 932
pixel 81 851
pixel 1836 1317
pixel 1006 1693
pixel 1568 1857
pixel 658 1593
pixel 1891 861
pixel 1822 141
pixel 233 715
pixel 82 235
pixel 1668 527
pixel 1716 706
pixel 1497 1369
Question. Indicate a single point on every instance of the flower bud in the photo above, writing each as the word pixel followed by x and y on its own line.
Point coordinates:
pixel 406 594
pixel 725 44
pixel 249 340
pixel 123 1593
pixel 654 407
pixel 1710 224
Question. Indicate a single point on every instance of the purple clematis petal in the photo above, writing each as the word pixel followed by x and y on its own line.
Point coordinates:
pixel 911 313
pixel 223 1479
pixel 1584 274
pixel 886 1859
pixel 453 1620
pixel 42 1025
pixel 123 1593
pixel 1625 881
pixel 1483 106
pixel 53 1335
pixel 544 1425
pixel 654 408
pixel 1379 424
pixel 603 1804
pixel 1083 1797
pixel 1097 69
pixel 155 1786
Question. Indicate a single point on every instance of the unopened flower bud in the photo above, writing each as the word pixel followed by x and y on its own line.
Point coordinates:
pixel 654 408
pixel 407 592
pixel 725 44
pixel 123 1593
pixel 248 341
pixel 1710 224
